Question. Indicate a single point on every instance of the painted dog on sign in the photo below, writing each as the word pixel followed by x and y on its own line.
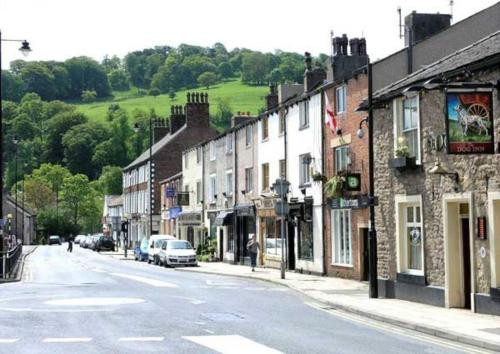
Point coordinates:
pixel 470 121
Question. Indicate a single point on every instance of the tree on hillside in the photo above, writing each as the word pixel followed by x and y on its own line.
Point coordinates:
pixel 37 194
pixel 86 74
pixel 57 126
pixel 110 181
pixel 88 95
pixel 207 79
pixel 111 64
pixel 135 63
pixel 61 81
pixel 75 194
pixel 12 86
pixel 154 92
pixel 118 80
pixel 254 68
pixel 172 95
pixel 79 144
pixel 225 70
pixel 276 76
pixel 38 78
pixel 222 118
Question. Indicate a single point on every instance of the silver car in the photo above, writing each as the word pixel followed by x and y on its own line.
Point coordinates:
pixel 177 252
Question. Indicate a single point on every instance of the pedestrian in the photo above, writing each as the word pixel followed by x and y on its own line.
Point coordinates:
pixel 253 248
pixel 70 244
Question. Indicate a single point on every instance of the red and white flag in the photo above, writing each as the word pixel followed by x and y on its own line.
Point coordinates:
pixel 330 119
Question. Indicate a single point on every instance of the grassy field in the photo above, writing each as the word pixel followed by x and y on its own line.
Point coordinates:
pixel 242 97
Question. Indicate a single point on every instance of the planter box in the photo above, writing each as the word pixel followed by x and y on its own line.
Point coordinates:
pixel 403 163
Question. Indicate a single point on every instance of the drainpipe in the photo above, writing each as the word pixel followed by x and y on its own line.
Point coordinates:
pixel 285 155
pixel 235 194
pixel 323 172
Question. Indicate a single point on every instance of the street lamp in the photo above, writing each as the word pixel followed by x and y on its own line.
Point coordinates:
pixel 25 50
pixel 15 141
pixel 372 235
pixel 281 187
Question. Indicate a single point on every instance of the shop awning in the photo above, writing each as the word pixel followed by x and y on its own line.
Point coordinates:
pixel 224 218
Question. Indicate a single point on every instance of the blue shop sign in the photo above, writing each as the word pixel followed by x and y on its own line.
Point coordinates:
pixel 170 192
pixel 174 212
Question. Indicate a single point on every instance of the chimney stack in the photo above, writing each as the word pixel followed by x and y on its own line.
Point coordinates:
pixel 197 110
pixel 160 129
pixel 421 26
pixel 344 64
pixel 312 77
pixel 177 118
pixel 272 97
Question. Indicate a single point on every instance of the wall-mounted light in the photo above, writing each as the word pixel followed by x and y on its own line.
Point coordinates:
pixel 411 90
pixel 439 170
pixel 243 192
pixel 360 133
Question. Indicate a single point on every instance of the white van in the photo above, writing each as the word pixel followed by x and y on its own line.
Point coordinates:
pixel 155 243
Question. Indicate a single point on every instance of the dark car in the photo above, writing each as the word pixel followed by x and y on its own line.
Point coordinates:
pixel 54 240
pixel 105 243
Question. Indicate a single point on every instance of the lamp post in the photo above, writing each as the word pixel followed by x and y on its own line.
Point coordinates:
pixel 25 49
pixel 281 187
pixel 372 234
pixel 15 141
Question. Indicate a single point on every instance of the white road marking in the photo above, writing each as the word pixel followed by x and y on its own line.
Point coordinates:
pixel 197 302
pixel 400 331
pixel 8 340
pixel 98 270
pixel 141 339
pixel 95 301
pixel 67 340
pixel 232 344
pixel 149 281
pixel 208 331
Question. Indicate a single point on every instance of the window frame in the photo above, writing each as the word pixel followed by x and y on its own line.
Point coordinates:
pixel 229 143
pixel 229 186
pixel 198 155
pixel 212 188
pixel 403 202
pixel 304 114
pixel 345 159
pixel 336 238
pixel 398 129
pixel 248 181
pixel 212 151
pixel 282 171
pixel 265 179
pixel 265 128
pixel 301 223
pixel 341 108
pixel 303 171
pixel 198 192
pixel 248 135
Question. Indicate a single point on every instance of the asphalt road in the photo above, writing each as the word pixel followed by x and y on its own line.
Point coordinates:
pixel 85 302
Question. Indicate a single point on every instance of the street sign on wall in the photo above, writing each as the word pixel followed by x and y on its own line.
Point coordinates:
pixel 183 198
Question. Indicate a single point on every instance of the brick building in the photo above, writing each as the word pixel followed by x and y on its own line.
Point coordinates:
pixel 188 126
pixel 346 158
pixel 170 208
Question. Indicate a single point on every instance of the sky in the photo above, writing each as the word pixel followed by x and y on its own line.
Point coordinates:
pixel 60 29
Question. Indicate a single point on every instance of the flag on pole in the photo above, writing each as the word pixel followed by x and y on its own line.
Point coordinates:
pixel 330 119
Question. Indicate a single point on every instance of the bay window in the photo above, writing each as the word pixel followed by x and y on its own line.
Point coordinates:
pixel 341 237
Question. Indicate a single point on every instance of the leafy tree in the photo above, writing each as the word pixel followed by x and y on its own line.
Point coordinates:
pixel 118 80
pixel 154 92
pixel 61 81
pixel 16 66
pixel 207 79
pixel 85 74
pixel 172 95
pixel 53 175
pixel 79 143
pixel 57 223
pixel 12 86
pixel 276 76
pixel 254 68
pixel 88 95
pixel 135 64
pixel 75 193
pixel 111 64
pixel 38 194
pixel 57 126
pixel 37 78
pixel 110 181
pixel 225 70
pixel 224 113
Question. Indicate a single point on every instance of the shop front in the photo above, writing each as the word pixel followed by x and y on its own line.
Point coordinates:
pixel 244 226
pixel 225 232
pixel 171 225
pixel 270 233
pixel 190 227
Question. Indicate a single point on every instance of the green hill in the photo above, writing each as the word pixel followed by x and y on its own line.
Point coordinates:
pixel 242 98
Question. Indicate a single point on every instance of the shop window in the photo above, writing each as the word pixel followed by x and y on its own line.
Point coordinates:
pixel 265 177
pixel 272 234
pixel 340 99
pixel 306 241
pixel 230 238
pixel 407 127
pixel 410 235
pixel 341 237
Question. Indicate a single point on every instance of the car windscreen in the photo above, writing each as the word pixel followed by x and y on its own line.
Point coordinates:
pixel 144 245
pixel 179 245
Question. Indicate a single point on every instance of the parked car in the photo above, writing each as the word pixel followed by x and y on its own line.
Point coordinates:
pixel 155 243
pixel 141 250
pixel 177 252
pixel 85 242
pixel 54 240
pixel 93 242
pixel 79 239
pixel 104 243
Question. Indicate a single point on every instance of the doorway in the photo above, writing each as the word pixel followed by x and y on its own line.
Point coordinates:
pixel 466 261
pixel 190 235
pixel 291 245
pixel 365 254
pixel 221 243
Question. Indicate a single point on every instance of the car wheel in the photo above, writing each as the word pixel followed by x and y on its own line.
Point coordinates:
pixel 157 261
pixel 149 261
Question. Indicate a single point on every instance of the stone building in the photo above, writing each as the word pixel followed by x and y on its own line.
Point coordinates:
pixel 188 126
pixel 437 164
pixel 346 161
pixel 112 215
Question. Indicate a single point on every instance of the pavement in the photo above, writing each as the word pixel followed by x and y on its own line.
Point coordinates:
pixel 86 302
pixel 352 296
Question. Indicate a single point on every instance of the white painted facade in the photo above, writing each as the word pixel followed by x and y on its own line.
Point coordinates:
pixel 270 150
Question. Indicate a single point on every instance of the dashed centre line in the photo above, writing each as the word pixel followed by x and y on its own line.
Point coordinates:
pixel 67 340
pixel 141 339
pixel 8 340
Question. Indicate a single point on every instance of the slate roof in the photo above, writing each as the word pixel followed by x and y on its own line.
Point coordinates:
pixel 115 200
pixel 480 50
pixel 144 157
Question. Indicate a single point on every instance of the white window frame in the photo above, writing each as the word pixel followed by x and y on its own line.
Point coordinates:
pixel 229 184
pixel 398 114
pixel 212 151
pixel 249 181
pixel 198 155
pixel 341 105
pixel 248 135
pixel 198 192
pixel 402 202
pixel 304 171
pixel 264 124
pixel 268 176
pixel 212 188
pixel 303 114
pixel 342 158
pixel 342 258
pixel 186 160
pixel 229 143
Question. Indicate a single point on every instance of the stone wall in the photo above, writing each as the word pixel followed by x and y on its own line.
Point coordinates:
pixel 479 173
